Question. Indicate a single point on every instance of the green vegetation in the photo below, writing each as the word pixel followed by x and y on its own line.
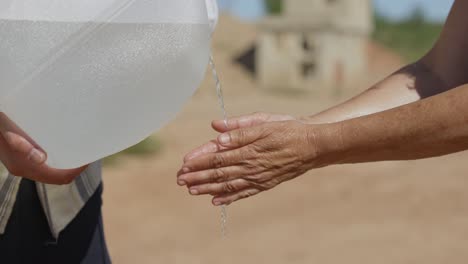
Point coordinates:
pixel 274 6
pixel 411 38
pixel 146 147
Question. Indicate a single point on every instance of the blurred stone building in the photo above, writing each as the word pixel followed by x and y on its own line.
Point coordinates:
pixel 314 44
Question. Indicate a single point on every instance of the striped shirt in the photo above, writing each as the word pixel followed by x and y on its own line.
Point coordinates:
pixel 61 203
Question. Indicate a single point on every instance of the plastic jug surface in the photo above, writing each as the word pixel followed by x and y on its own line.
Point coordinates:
pixel 88 78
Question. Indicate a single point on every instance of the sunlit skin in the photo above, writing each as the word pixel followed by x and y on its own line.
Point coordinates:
pixel 420 111
pixel 23 157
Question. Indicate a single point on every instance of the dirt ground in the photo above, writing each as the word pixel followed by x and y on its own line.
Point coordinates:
pixel 391 212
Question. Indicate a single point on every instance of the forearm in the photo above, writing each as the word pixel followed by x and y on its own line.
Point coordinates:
pixel 442 69
pixel 405 86
pixel 431 127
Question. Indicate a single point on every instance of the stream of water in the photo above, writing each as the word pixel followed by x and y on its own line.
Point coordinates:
pixel 219 92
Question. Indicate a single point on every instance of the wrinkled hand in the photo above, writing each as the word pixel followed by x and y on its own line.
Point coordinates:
pixel 23 157
pixel 249 160
pixel 244 121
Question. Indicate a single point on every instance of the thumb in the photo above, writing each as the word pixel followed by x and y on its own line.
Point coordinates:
pixel 240 138
pixel 243 121
pixel 18 141
pixel 20 145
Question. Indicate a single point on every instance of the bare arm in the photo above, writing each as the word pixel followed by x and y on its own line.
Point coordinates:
pixel 443 68
pixel 387 122
pixel 428 128
pixel 258 158
pixel 407 85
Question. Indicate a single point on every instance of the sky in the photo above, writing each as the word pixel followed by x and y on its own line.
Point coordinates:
pixel 436 10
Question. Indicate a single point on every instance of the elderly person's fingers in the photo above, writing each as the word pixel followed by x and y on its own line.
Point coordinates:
pixel 229 198
pixel 234 123
pixel 240 122
pixel 241 137
pixel 216 161
pixel 217 189
pixel 211 176
pixel 248 121
pixel 256 159
pixel 215 145
pixel 210 147
pixel 233 140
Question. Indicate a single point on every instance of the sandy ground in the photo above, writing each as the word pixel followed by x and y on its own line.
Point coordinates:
pixel 391 212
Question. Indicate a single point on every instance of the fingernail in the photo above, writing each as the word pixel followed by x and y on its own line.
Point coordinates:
pixel 224 139
pixel 181 183
pixel 194 192
pixel 185 170
pixel 217 203
pixel 37 156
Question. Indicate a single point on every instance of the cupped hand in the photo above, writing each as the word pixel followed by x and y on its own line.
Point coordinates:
pixel 250 160
pixel 244 121
pixel 24 158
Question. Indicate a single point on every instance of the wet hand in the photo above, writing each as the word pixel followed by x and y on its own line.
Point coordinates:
pixel 234 123
pixel 248 161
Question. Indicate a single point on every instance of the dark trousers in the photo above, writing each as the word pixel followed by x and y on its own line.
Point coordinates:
pixel 27 238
